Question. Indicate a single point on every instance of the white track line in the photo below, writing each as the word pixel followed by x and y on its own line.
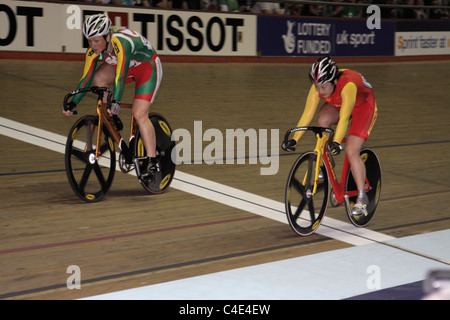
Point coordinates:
pixel 208 189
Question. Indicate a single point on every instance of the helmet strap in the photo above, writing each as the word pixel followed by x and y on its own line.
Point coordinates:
pixel 334 86
pixel 335 81
pixel 107 43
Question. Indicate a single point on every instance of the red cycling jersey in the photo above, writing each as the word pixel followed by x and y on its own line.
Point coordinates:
pixel 353 97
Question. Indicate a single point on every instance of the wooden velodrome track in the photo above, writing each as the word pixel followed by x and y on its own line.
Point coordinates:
pixel 133 239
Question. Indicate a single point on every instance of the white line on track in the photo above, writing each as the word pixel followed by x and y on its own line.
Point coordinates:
pixel 208 189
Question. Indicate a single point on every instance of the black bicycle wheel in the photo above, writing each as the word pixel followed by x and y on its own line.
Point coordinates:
pixel 305 210
pixel 164 149
pixel 373 174
pixel 90 179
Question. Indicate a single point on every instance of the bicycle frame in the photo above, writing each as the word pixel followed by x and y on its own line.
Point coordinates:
pixel 99 151
pixel 102 113
pixel 307 192
pixel 322 152
pixel 105 119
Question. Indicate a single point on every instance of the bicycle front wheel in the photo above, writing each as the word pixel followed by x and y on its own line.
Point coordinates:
pixel 305 209
pixel 89 178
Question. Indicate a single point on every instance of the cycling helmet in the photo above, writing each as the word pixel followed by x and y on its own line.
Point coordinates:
pixel 323 70
pixel 97 25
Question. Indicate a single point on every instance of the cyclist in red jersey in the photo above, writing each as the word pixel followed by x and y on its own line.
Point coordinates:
pixel 127 57
pixel 348 96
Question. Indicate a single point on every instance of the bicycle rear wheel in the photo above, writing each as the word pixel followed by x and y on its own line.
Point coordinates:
pixel 90 179
pixel 305 210
pixel 373 176
pixel 164 147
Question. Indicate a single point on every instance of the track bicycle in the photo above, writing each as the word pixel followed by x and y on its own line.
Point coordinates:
pixel 90 154
pixel 307 189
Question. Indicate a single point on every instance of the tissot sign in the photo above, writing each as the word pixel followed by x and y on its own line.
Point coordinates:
pixel 56 27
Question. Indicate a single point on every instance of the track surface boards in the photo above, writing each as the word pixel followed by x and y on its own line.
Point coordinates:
pixel 215 217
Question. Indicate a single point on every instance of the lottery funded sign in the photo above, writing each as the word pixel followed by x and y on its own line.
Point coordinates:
pixel 288 36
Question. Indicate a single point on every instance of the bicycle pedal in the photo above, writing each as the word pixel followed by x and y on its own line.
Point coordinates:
pixel 359 210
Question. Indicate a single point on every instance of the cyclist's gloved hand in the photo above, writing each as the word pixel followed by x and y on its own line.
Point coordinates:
pixel 334 148
pixel 69 107
pixel 115 107
pixel 289 145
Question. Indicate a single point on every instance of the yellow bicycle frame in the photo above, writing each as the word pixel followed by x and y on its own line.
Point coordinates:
pixel 319 150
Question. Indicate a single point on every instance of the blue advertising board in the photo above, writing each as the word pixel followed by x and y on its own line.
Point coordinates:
pixel 291 36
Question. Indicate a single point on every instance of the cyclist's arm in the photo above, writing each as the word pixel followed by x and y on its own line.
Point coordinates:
pixel 312 101
pixel 90 64
pixel 122 49
pixel 348 95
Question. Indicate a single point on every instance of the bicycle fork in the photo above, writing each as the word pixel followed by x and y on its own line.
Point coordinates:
pixel 319 150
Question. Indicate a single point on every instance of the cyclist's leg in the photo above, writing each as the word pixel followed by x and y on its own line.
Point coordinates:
pixel 327 116
pixel 363 119
pixel 140 110
pixel 353 148
pixel 104 77
pixel 148 78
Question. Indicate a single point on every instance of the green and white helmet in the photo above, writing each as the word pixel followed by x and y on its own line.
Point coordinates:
pixel 97 25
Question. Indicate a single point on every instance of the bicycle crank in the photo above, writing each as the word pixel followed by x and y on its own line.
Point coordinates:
pixel 123 165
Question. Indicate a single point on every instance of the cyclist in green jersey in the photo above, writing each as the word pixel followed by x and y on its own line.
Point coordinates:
pixel 127 56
